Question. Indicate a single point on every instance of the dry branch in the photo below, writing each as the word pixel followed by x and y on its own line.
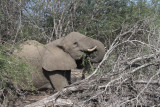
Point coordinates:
pixel 55 98
pixel 52 101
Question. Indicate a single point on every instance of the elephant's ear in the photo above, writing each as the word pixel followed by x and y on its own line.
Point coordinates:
pixel 55 58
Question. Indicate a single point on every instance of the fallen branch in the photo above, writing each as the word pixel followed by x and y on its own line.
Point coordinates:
pixel 51 101
pixel 54 100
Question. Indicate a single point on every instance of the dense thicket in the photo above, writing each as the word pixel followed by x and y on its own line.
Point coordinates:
pixel 46 20
pixel 114 22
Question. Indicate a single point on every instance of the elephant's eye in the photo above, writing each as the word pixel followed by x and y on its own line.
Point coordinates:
pixel 75 44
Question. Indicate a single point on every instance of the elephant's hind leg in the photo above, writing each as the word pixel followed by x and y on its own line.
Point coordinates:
pixel 58 79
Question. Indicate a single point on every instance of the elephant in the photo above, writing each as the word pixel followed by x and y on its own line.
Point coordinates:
pixel 55 60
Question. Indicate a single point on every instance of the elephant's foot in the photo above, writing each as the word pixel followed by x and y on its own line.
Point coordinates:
pixel 58 81
pixel 46 86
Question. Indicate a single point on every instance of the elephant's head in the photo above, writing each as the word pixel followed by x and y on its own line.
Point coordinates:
pixel 77 44
pixel 63 53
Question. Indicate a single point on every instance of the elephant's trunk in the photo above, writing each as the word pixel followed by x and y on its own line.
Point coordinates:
pixel 100 49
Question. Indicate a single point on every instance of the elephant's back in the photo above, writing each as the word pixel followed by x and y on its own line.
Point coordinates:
pixel 31 52
pixel 29 49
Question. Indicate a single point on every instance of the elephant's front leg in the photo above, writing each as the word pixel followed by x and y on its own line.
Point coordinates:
pixel 59 79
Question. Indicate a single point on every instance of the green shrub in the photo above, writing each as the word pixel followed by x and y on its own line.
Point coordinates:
pixel 14 71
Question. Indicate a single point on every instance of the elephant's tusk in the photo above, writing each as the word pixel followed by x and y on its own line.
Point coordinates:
pixel 92 49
